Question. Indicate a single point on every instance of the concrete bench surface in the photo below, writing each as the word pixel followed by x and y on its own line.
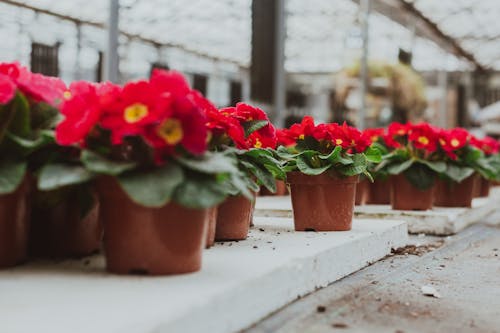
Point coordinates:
pixel 440 221
pixel 240 283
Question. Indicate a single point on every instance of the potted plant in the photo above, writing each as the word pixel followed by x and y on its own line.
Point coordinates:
pixel 65 208
pixel 146 146
pixel 323 164
pixel 27 111
pixel 379 190
pixel 490 148
pixel 455 186
pixel 413 165
pixel 245 132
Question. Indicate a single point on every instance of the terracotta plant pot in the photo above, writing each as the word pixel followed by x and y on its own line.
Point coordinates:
pixel 14 226
pixel 362 192
pixel 58 230
pixel 322 203
pixel 212 223
pixel 477 186
pixel 484 190
pixel 380 192
pixel 405 196
pixel 281 189
pixel 234 216
pixel 143 240
pixel 453 194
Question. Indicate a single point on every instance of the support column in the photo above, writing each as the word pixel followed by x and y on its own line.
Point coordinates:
pixel 267 73
pixel 443 105
pixel 112 60
pixel 279 65
pixel 78 65
pixel 365 7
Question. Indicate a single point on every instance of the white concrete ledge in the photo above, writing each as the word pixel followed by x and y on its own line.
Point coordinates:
pixel 240 283
pixel 438 221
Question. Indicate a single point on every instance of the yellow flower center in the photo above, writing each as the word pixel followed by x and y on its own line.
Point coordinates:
pixel 258 143
pixel 442 142
pixel 454 143
pixel 423 140
pixel 67 94
pixel 135 112
pixel 171 131
pixel 400 132
pixel 338 142
pixel 301 137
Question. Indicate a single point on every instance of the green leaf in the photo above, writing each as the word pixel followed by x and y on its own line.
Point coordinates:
pixel 286 153
pixel 43 139
pixel 195 193
pixel 438 166
pixel 397 168
pixel 153 188
pixel 359 166
pixel 373 154
pixel 211 163
pixel 12 174
pixel 458 173
pixel 53 176
pixel 473 155
pixel 21 122
pixel 420 176
pixel 265 178
pixel 253 126
pixel 304 167
pixel 99 164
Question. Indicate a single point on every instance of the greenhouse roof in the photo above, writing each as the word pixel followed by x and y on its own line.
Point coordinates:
pixel 322 36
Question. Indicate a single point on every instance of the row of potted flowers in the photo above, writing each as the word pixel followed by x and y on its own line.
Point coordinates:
pixel 158 170
pixel 411 166
pixel 426 166
pixel 152 165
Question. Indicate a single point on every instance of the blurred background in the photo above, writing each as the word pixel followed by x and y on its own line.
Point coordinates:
pixel 366 62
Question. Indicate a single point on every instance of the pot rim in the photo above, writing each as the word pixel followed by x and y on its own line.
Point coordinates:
pixel 327 177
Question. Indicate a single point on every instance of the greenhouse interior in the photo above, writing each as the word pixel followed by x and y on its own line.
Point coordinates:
pixel 249 166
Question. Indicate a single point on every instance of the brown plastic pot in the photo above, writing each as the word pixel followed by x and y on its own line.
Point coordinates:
pixel 234 216
pixel 58 231
pixel 14 225
pixel 362 192
pixel 477 186
pixel 405 196
pixel 380 192
pixel 212 223
pixel 322 203
pixel 452 194
pixel 143 240
pixel 485 186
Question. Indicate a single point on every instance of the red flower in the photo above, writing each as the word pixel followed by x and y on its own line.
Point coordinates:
pixel 285 138
pixel 171 82
pixel 265 137
pixel 81 111
pixel 38 87
pixel 396 134
pixel 423 136
pixel 488 145
pixel 138 105
pixel 303 129
pixel 7 89
pixel 350 138
pixel 221 124
pixel 185 126
pixel 453 140
pixel 373 134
